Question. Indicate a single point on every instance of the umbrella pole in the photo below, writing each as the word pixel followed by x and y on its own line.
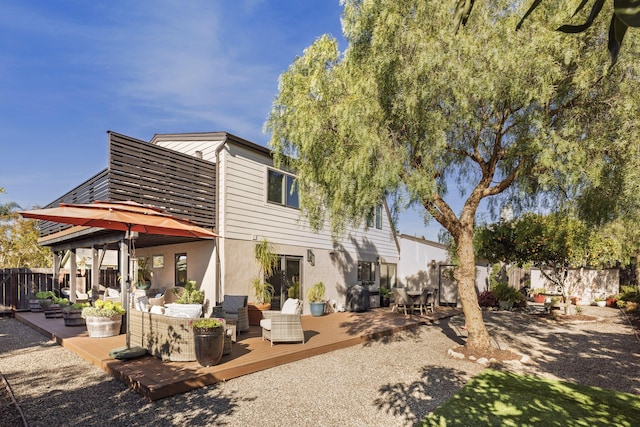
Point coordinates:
pixel 128 352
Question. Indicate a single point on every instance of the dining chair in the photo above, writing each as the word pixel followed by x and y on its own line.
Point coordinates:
pixel 402 300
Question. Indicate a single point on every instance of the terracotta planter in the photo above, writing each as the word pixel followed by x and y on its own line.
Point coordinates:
pixel 255 313
pixel 539 298
pixel 209 345
pixel 576 300
pixel 102 327
pixel 611 302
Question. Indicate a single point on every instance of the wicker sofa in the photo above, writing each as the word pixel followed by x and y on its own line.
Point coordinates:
pixel 169 338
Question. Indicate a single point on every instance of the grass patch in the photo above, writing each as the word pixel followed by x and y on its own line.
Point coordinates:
pixel 499 398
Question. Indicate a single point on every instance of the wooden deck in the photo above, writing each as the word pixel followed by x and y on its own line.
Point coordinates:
pixel 155 379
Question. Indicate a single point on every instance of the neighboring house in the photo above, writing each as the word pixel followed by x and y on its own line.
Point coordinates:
pixel 230 185
pixel 424 263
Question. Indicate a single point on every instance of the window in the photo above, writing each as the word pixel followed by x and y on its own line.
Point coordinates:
pixel 366 271
pixel 181 269
pixel 375 218
pixel 281 189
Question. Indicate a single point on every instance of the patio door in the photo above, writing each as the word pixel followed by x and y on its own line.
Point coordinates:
pixel 286 276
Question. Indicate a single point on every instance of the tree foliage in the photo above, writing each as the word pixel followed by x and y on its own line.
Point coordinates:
pixel 626 13
pixel 19 240
pixel 409 112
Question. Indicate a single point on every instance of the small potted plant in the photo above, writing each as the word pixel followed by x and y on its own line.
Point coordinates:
pixel 144 274
pixel 53 309
pixel 35 304
pixel 385 297
pixel 104 319
pixel 316 299
pixel 208 335
pixel 72 314
pixel 600 302
pixel 611 301
pixel 538 295
pixel 189 304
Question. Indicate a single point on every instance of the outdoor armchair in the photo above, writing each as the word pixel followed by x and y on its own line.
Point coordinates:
pixel 284 325
pixel 235 308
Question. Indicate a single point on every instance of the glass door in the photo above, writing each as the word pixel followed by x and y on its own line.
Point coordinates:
pixel 286 280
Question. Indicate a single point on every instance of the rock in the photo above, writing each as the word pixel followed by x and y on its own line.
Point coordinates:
pixel 483 361
pixel 455 355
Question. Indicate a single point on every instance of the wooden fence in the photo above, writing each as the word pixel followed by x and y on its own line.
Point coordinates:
pixel 18 284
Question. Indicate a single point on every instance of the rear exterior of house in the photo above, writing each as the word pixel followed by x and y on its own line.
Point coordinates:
pixel 230 185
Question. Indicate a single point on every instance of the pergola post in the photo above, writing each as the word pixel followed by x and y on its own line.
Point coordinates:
pixel 73 269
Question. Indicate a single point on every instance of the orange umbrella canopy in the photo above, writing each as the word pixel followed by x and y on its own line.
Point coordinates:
pixel 124 216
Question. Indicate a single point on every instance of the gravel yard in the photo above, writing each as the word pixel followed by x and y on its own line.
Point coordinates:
pixel 393 381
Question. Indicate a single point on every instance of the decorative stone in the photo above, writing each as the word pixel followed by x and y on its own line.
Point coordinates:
pixel 483 361
pixel 455 355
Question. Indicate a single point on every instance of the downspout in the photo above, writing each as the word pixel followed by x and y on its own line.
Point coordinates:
pixel 218 216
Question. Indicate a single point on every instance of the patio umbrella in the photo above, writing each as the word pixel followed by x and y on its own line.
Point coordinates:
pixel 124 216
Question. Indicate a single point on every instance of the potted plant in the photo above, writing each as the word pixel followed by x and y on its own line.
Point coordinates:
pixel 189 304
pixel 208 338
pixel 267 260
pixel 611 301
pixel 104 319
pixel 576 300
pixel 316 299
pixel 506 295
pixel 144 274
pixel 53 308
pixel 72 314
pixel 538 295
pixel 385 297
pixel 600 302
pixel 41 296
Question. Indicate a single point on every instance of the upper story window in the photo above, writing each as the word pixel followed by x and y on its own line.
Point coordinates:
pixel 281 189
pixel 376 218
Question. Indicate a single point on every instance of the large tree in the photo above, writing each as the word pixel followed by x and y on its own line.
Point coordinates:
pixel 408 111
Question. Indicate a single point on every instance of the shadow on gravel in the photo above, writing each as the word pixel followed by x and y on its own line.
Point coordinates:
pixel 415 400
pixel 599 353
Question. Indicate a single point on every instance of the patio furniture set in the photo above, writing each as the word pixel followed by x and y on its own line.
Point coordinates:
pixel 420 301
pixel 171 338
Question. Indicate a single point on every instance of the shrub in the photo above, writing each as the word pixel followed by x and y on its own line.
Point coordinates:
pixel 487 299
pixel 103 309
pixel 206 324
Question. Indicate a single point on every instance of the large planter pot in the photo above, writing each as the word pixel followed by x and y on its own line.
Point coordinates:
pixel 317 308
pixel 209 345
pixel 255 313
pixel 539 298
pixel 102 327
pixel 601 303
pixel 73 317
pixel 505 305
pixel 53 311
pixel 191 311
pixel 385 301
pixel 576 300
pixel 611 302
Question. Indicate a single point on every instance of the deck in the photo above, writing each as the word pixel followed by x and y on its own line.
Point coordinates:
pixel 155 379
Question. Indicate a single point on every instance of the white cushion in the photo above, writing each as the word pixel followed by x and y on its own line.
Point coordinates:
pixel 290 306
pixel 265 324
pixel 156 309
pixel 113 292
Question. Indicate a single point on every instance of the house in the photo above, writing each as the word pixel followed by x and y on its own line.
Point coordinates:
pixel 424 263
pixel 230 185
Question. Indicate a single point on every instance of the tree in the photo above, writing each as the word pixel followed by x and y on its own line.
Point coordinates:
pixel 19 240
pixel 408 111
pixel 626 13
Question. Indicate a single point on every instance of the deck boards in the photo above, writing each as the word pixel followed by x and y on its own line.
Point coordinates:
pixel 155 379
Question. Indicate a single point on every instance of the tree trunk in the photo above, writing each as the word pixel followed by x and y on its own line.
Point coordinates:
pixel 479 340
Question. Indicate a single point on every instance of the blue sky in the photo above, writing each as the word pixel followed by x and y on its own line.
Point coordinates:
pixel 73 69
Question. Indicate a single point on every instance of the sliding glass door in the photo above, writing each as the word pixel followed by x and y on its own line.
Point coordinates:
pixel 286 280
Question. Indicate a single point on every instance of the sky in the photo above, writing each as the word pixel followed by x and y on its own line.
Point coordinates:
pixel 71 70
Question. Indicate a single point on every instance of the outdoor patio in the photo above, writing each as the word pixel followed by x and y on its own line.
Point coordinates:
pixel 155 379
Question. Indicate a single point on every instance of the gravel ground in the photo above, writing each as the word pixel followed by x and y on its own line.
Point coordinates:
pixel 393 381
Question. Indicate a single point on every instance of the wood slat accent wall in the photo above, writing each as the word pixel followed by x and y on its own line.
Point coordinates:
pixel 180 184
pixel 95 188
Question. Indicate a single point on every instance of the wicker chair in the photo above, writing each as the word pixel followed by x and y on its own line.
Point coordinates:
pixel 284 325
pixel 235 308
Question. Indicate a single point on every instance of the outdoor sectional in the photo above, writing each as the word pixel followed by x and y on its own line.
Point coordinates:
pixel 169 338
